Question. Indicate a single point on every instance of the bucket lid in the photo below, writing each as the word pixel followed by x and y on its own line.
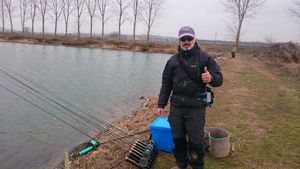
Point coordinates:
pixel 160 123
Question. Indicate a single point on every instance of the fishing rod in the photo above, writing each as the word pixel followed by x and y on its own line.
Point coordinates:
pixel 113 135
pixel 52 93
pixel 39 97
pixel 94 124
pixel 49 113
pixel 94 143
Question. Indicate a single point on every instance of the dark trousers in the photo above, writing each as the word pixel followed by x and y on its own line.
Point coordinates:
pixel 233 54
pixel 188 130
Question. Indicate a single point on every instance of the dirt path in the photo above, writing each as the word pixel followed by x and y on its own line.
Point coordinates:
pixel 259 108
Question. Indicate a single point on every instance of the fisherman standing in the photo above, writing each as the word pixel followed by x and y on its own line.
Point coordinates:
pixel 185 78
pixel 233 51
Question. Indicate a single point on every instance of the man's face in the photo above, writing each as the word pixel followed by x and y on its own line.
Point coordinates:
pixel 186 43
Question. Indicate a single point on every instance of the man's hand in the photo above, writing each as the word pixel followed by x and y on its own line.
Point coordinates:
pixel 206 76
pixel 160 111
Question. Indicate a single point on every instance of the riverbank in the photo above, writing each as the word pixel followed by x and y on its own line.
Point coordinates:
pixel 257 104
pixel 112 43
pixel 95 42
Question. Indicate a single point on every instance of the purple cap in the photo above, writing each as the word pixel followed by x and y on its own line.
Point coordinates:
pixel 186 31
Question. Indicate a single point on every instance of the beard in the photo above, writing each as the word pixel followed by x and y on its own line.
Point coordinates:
pixel 187 45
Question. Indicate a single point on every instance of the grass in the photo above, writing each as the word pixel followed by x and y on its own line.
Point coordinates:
pixel 278 115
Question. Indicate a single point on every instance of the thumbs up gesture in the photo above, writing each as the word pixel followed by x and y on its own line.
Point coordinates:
pixel 206 76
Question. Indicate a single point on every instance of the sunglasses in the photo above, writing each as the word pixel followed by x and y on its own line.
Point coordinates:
pixel 186 38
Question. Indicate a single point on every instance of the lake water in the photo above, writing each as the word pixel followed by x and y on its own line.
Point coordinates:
pixel 105 82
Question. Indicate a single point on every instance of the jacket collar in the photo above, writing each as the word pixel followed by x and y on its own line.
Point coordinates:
pixel 189 53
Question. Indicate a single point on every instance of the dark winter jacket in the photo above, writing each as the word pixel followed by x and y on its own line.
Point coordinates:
pixel 184 89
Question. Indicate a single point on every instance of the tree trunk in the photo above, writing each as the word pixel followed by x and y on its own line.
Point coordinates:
pixel 23 27
pixel 3 24
pixel 91 28
pixel 55 29
pixel 238 34
pixel 103 27
pixel 32 27
pixel 66 29
pixel 23 22
pixel 119 30
pixel 134 26
pixel 11 24
pixel 148 36
pixel 78 26
pixel 2 16
pixel 237 40
pixel 43 26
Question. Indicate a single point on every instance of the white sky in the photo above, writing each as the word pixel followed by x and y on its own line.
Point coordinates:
pixel 207 17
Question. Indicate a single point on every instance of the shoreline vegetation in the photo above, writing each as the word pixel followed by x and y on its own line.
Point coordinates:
pixel 88 42
pixel 258 104
pixel 111 42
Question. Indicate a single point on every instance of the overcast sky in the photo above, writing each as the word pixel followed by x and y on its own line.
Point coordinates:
pixel 207 17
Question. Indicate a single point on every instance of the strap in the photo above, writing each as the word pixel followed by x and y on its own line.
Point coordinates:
pixel 209 101
pixel 186 71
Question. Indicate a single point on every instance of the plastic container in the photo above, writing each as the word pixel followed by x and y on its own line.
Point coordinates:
pixel 161 134
pixel 218 142
pixel 206 140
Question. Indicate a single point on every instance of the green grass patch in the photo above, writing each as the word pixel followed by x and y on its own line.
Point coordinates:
pixel 278 114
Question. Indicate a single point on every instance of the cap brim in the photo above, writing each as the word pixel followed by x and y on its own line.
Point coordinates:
pixel 186 34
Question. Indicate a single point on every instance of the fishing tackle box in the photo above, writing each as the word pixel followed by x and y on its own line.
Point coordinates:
pixel 161 134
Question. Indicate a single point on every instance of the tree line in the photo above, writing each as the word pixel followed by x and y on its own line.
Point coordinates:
pixel 145 11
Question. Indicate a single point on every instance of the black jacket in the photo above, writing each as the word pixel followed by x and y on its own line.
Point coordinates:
pixel 184 89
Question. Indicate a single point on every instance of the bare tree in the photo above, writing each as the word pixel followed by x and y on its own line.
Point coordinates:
pixel 33 7
pixel 295 11
pixel 2 14
pixel 151 12
pixel 10 7
pixel 241 10
pixel 137 7
pixel 66 11
pixel 56 8
pixel 102 6
pixel 79 6
pixel 91 7
pixel 120 7
pixel 23 11
pixel 43 8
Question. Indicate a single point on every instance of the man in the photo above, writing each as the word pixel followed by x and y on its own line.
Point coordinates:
pixel 186 76
pixel 233 51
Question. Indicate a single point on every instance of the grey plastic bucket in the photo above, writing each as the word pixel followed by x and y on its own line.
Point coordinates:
pixel 206 140
pixel 219 142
